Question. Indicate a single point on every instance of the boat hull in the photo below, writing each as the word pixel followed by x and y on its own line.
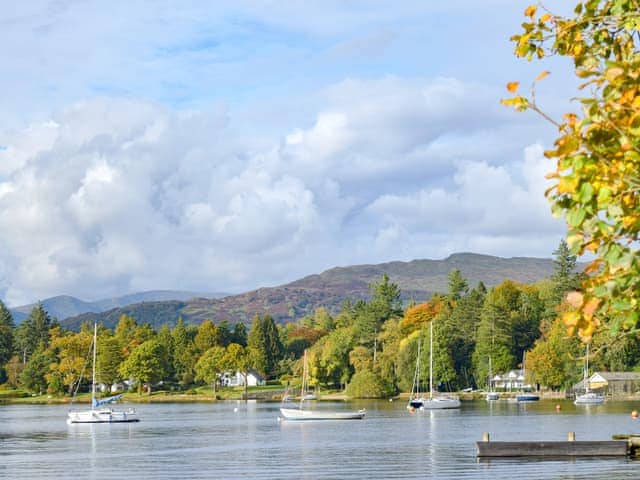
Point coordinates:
pixel 589 399
pixel 492 396
pixel 436 403
pixel 294 414
pixel 527 397
pixel 103 416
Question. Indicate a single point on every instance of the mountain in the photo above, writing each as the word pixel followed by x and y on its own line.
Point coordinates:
pixel 65 306
pixel 417 279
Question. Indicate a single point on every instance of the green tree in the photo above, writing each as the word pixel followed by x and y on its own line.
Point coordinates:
pixel 495 331
pixel 238 358
pixel 33 377
pixel 597 152
pixel 211 365
pixel 458 286
pixel 258 344
pixel 184 353
pixel 33 332
pixel 147 364
pixel 6 335
pixel 208 336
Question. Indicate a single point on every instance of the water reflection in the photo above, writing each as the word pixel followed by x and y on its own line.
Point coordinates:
pixel 225 439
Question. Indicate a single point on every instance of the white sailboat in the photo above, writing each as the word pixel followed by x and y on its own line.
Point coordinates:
pixel 98 413
pixel 432 402
pixel 588 397
pixel 491 395
pixel 301 413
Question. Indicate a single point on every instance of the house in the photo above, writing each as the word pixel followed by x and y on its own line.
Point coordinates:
pixel 229 379
pixel 613 384
pixel 512 380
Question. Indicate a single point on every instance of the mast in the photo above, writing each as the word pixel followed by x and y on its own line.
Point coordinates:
pixel 304 380
pixel 431 360
pixel 93 381
pixel 586 371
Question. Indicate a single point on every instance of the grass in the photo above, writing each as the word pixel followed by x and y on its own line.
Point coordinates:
pixel 196 394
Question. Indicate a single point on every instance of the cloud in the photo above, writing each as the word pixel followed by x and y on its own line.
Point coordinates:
pixel 114 195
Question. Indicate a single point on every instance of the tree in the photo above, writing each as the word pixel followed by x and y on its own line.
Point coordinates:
pixel 33 376
pixel 597 152
pixel 258 344
pixel 146 364
pixel 237 358
pixel 6 334
pixel 458 286
pixel 33 332
pixel 208 336
pixel 210 365
pixel 495 331
pixel 564 277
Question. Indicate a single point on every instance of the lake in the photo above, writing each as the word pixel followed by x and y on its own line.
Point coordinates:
pixel 232 439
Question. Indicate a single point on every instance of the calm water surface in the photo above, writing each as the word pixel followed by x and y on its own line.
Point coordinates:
pixel 232 439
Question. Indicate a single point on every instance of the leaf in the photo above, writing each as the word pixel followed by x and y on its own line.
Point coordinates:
pixel 542 75
pixel 530 11
pixel 576 217
pixel 513 86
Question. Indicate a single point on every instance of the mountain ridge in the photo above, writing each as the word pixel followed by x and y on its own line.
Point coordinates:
pixel 417 279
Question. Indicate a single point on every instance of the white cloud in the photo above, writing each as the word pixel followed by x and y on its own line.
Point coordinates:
pixel 127 195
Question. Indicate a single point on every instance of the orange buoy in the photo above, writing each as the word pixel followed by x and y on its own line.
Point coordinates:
pixel 558 407
pixel 634 414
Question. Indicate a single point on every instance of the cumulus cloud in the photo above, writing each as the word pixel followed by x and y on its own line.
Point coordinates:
pixel 118 195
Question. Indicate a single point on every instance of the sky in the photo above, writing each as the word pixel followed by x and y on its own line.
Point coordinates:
pixel 225 146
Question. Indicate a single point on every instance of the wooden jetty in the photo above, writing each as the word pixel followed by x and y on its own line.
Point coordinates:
pixel 554 449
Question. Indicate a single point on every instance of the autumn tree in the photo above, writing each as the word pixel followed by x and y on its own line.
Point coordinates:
pixel 597 152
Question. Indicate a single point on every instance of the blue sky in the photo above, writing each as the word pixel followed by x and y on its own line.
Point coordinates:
pixel 224 146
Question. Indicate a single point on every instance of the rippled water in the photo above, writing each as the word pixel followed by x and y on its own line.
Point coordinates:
pixel 230 439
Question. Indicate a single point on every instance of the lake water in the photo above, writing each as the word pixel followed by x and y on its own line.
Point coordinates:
pixel 232 439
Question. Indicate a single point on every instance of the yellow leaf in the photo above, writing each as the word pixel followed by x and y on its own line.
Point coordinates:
pixel 613 73
pixel 541 75
pixel 530 11
pixel 591 306
pixel 513 86
pixel 545 17
pixel 570 319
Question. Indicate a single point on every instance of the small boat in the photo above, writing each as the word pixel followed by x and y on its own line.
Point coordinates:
pixel 588 397
pixel 293 414
pixel 302 414
pixel 98 413
pixel 432 402
pixel 491 395
pixel 526 396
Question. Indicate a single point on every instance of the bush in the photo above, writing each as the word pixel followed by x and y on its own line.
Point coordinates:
pixel 367 384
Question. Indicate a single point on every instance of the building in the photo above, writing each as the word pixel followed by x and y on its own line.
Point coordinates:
pixel 612 384
pixel 236 379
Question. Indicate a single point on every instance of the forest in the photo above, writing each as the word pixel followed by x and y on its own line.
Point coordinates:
pixel 368 349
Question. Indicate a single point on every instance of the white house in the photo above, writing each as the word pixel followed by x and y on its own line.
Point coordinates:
pixel 513 380
pixel 236 379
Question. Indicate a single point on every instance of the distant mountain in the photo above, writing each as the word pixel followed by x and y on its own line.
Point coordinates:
pixel 417 279
pixel 64 306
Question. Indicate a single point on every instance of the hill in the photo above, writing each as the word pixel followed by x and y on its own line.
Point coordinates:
pixel 65 306
pixel 417 279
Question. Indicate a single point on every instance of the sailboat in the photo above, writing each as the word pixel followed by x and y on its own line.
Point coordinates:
pixel 588 397
pixel 432 402
pixel 98 413
pixel 301 413
pixel 526 396
pixel 491 395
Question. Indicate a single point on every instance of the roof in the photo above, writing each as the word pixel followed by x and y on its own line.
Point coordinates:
pixel 619 376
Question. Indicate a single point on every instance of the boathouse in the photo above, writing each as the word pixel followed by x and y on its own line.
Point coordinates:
pixel 612 384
